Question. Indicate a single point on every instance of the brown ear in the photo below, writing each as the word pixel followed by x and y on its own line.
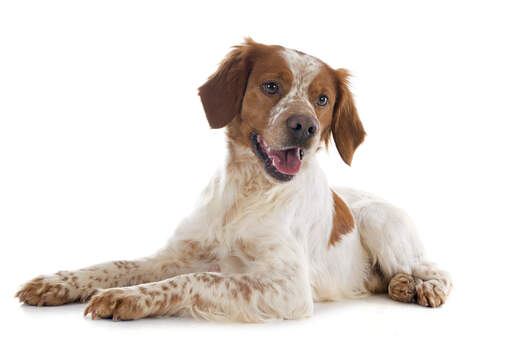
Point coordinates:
pixel 347 129
pixel 222 94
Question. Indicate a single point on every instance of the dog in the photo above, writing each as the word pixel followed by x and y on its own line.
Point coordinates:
pixel 269 236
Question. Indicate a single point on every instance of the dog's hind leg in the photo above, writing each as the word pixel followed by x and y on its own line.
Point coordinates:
pixel 399 264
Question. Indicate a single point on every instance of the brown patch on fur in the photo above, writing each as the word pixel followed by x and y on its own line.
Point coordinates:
pixel 222 94
pixel 267 64
pixel 324 84
pixel 174 299
pixel 244 289
pixel 343 221
pixel 118 264
pixel 216 279
pixel 346 127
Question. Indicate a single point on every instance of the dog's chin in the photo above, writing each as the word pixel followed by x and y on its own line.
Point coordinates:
pixel 281 164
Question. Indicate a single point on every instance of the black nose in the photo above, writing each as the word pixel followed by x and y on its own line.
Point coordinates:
pixel 302 127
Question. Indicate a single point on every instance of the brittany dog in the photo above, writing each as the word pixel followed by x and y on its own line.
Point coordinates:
pixel 269 236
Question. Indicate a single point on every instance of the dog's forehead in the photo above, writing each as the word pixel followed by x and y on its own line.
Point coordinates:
pixel 303 66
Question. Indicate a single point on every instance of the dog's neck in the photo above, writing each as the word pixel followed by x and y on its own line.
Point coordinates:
pixel 243 185
pixel 243 167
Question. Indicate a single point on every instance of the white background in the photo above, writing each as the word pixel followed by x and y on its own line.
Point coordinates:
pixel 104 147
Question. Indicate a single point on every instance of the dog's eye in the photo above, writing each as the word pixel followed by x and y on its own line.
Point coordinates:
pixel 322 100
pixel 270 87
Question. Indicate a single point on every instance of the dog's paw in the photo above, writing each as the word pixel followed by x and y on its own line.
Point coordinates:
pixel 431 293
pixel 402 287
pixel 406 288
pixel 120 304
pixel 47 290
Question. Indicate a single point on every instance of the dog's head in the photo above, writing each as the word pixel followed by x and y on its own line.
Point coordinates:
pixel 283 104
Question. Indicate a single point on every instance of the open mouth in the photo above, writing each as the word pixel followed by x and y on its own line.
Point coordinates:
pixel 282 164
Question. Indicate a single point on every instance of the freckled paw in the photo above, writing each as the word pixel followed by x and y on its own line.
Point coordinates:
pixel 431 293
pixel 406 288
pixel 46 290
pixel 402 288
pixel 118 304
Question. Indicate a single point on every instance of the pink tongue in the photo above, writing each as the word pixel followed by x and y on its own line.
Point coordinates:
pixel 286 161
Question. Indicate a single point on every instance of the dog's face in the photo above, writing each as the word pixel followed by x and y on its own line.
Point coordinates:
pixel 282 104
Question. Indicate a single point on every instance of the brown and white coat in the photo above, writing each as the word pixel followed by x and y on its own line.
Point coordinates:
pixel 269 235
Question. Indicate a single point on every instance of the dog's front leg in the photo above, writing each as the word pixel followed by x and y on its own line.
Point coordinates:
pixel 251 297
pixel 274 285
pixel 70 286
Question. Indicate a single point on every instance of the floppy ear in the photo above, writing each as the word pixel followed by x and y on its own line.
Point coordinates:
pixel 347 129
pixel 222 94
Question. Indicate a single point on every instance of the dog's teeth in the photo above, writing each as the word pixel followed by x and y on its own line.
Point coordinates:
pixel 273 162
